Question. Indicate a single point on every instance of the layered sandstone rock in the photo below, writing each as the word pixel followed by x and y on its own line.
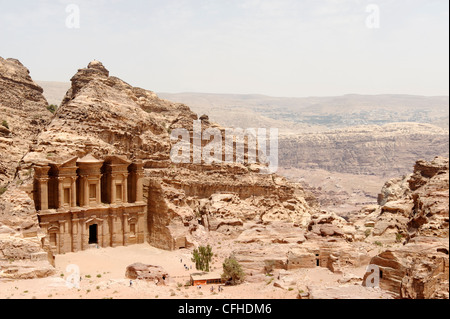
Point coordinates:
pixel 416 205
pixel 26 270
pixel 102 115
pixel 139 271
pixel 23 114
pixel 388 150
pixel 330 225
pixel 415 214
pixel 181 202
pixel 259 252
pixel 419 270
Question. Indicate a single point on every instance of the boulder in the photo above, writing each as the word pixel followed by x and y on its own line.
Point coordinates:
pixel 139 271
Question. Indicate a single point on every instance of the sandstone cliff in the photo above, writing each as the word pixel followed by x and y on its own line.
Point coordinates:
pixel 414 212
pixel 417 204
pixel 389 150
pixel 23 114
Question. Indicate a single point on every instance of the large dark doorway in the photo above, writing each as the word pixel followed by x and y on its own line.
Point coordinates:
pixel 93 234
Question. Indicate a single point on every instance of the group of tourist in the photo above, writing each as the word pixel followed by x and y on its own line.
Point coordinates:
pixel 186 267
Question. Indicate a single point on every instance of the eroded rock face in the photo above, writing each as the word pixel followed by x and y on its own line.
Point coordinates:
pixel 419 270
pixel 23 115
pixel 394 189
pixel 259 257
pixel 431 201
pixel 17 212
pixel 26 270
pixel 23 258
pixel 139 271
pixel 182 202
pixel 330 225
pixel 418 205
pixel 104 115
pixel 222 211
pixel 417 216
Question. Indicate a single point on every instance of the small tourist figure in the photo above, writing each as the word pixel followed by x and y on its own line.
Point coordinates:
pixel 131 283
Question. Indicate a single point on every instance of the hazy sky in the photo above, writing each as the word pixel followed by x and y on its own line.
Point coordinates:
pixel 273 47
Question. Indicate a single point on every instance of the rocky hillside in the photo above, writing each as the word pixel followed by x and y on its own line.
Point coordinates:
pixel 23 114
pixel 414 211
pixel 416 205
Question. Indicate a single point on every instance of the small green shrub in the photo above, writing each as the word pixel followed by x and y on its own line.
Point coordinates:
pixel 2 190
pixel 5 124
pixel 52 108
pixel 233 271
